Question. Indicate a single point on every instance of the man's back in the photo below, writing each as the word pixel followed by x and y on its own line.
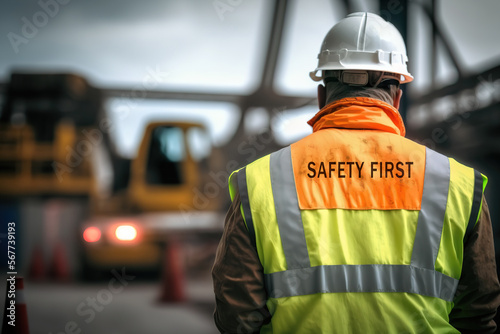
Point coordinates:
pixel 366 232
pixel 356 229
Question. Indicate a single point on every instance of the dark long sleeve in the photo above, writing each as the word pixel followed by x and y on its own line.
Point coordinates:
pixel 478 294
pixel 238 279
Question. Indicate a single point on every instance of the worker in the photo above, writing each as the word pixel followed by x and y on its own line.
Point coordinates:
pixel 354 228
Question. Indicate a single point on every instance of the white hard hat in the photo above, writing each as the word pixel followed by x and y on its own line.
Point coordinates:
pixel 363 41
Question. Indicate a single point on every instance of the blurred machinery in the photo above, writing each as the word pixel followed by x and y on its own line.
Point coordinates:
pixel 55 143
pixel 43 127
pixel 158 204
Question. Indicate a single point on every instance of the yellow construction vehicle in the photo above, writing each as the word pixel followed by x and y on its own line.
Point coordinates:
pixel 44 149
pixel 159 202
pixel 55 142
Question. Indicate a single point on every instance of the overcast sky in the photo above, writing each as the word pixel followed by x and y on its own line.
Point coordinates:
pixel 113 42
pixel 194 45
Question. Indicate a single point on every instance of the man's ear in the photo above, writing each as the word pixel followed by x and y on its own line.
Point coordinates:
pixel 321 96
pixel 397 99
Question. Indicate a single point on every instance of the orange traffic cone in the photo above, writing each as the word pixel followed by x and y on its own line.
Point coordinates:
pixel 15 320
pixel 37 267
pixel 172 289
pixel 59 269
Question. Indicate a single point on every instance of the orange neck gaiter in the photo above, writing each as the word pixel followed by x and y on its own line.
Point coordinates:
pixel 359 113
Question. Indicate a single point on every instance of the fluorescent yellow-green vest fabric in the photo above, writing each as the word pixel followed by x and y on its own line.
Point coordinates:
pixel 363 265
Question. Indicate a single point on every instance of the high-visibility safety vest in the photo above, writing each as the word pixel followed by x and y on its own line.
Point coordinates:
pixel 358 229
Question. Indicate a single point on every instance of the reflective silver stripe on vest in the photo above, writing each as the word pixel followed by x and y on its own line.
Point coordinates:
pixel 419 277
pixel 287 208
pixel 245 202
pixel 361 278
pixel 433 207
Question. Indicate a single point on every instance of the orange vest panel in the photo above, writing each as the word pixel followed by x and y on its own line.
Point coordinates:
pixel 358 169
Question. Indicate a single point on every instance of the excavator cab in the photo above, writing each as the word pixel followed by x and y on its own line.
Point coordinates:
pixel 130 227
pixel 169 166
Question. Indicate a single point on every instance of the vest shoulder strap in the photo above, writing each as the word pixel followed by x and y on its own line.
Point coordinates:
pixel 238 181
pixel 479 184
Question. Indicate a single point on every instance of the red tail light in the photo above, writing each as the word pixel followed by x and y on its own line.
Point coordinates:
pixel 92 234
